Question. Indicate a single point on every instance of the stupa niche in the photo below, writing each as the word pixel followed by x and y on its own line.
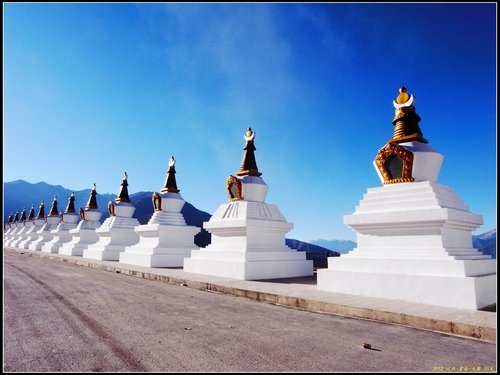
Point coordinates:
pixel 84 234
pixel 248 235
pixel 117 231
pixel 414 240
pixel 166 239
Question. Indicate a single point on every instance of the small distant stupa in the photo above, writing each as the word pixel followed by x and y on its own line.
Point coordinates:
pixel 84 234
pixel 166 240
pixel 117 231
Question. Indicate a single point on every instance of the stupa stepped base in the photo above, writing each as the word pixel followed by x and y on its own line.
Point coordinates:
pixel 458 292
pixel 430 267
pixel 248 262
pixel 79 243
pixel 45 233
pixel 248 243
pixel 112 241
pixel 166 257
pixel 13 236
pixel 54 244
pixel 25 242
pixel 435 253
pixel 22 237
pixel 41 241
pixel 161 245
pixel 61 236
pixel 109 253
pixel 247 270
pixel 83 236
pixel 32 233
pixel 414 243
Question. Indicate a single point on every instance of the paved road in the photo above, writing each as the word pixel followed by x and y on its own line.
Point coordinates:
pixel 61 317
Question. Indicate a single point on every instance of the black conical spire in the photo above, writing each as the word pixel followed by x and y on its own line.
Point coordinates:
pixel 71 203
pixel 31 215
pixel 170 183
pixel 53 209
pixel 23 215
pixel 41 211
pixel 123 195
pixel 16 217
pixel 92 203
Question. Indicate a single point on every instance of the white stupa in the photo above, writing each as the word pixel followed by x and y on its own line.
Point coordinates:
pixel 14 228
pixel 32 233
pixel 19 222
pixel 248 235
pixel 8 228
pixel 23 234
pixel 414 240
pixel 166 239
pixel 45 232
pixel 85 233
pixel 117 231
pixel 61 235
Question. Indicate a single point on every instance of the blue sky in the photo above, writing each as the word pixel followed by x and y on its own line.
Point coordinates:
pixel 92 90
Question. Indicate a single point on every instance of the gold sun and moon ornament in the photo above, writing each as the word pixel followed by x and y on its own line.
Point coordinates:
pixel 393 161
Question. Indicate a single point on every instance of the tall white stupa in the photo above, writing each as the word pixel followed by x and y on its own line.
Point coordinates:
pixel 32 233
pixel 45 234
pixel 414 235
pixel 85 233
pixel 166 239
pixel 61 235
pixel 117 231
pixel 248 235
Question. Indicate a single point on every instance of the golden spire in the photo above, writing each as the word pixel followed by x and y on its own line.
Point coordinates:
pixel 248 164
pixel 406 120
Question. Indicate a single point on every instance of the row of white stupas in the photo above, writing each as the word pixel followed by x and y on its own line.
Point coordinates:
pixel 414 236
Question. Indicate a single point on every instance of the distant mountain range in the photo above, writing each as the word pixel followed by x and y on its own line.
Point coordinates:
pixel 21 194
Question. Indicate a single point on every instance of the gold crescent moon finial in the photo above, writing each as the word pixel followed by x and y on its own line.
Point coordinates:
pixel 403 96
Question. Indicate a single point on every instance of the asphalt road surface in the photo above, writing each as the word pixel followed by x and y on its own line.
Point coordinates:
pixel 60 317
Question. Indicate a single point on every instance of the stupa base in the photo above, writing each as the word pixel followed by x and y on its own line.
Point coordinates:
pixel 473 292
pixel 216 265
pixel 109 253
pixel 161 257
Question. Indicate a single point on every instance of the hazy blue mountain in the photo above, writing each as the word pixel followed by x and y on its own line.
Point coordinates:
pixel 341 246
pixel 486 243
pixel 19 194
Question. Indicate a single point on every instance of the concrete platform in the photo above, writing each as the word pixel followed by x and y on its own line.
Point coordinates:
pixel 302 293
